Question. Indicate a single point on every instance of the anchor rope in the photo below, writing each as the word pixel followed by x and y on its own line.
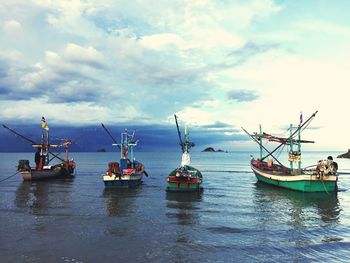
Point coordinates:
pixel 324 185
pixel 9 177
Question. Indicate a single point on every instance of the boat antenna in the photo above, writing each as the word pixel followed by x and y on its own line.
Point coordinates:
pixel 179 133
pixel 19 135
pixel 110 135
pixel 292 135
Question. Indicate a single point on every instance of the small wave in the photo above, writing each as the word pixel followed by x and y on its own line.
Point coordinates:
pixel 342 190
pixel 332 239
pixel 225 230
pixel 226 171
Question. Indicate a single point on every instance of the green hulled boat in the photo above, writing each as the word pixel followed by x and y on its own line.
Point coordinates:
pixel 321 177
pixel 185 178
pixel 181 180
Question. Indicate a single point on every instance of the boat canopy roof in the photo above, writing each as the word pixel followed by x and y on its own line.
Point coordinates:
pixel 282 140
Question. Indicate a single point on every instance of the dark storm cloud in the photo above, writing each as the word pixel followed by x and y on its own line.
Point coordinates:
pixel 249 50
pixel 93 137
pixel 66 82
pixel 240 56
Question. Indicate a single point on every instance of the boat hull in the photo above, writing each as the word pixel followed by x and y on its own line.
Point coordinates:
pixel 298 182
pixel 184 187
pixel 45 174
pixel 184 183
pixel 122 181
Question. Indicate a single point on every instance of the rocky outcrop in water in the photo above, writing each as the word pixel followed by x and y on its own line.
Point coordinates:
pixel 102 150
pixel 344 155
pixel 211 149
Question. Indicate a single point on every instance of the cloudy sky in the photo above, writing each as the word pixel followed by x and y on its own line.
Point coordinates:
pixel 219 65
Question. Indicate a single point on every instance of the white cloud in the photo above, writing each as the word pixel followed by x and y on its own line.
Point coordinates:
pixel 171 56
pixel 12 27
pixel 289 84
pixel 81 54
pixel 164 41
pixel 11 55
pixel 68 17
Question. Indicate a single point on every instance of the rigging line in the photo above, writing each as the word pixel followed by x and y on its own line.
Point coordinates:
pixel 56 155
pixel 305 127
pixel 18 134
pixel 255 140
pixel 302 129
pixel 324 186
pixel 9 177
pixel 280 152
pixel 295 132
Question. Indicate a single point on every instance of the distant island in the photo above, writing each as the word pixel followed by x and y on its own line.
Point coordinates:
pixel 344 155
pixel 211 149
pixel 102 150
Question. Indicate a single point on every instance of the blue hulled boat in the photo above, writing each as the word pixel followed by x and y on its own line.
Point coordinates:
pixel 127 173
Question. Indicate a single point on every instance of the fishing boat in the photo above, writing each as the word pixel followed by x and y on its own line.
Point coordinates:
pixel 321 177
pixel 185 178
pixel 128 172
pixel 44 166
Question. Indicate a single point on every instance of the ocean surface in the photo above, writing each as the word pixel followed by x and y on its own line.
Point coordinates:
pixel 235 219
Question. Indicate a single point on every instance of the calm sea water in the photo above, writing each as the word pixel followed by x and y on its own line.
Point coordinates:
pixel 235 219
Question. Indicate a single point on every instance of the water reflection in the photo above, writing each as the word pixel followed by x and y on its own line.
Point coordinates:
pixel 183 207
pixel 39 196
pixel 183 210
pixel 118 201
pixel 119 208
pixel 302 207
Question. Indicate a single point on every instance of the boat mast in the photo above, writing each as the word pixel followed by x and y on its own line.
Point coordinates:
pixel 47 147
pixel 123 147
pixel 291 146
pixel 126 144
pixel 299 150
pixel 131 147
pixel 260 143
pixel 187 140
pixel 42 142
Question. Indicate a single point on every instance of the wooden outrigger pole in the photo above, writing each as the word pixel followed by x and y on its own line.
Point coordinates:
pixel 179 134
pixel 109 134
pixel 19 135
pixel 34 144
